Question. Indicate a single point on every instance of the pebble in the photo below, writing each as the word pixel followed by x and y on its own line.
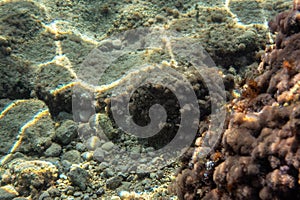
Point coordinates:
pixel 122 168
pixel 100 191
pixel 70 190
pixel 113 183
pixel 159 174
pixel 125 185
pixel 99 154
pixel 103 166
pixel 152 175
pixel 131 177
pixel 66 165
pixel 66 132
pixel 77 194
pixel 141 173
pixel 8 192
pixel 132 168
pixel 87 156
pixel 134 155
pixel 80 147
pixel 93 142
pixel 53 151
pixel 78 177
pixel 108 172
pixel 143 160
pixel 86 197
pixel 115 198
pixel 62 176
pixel 107 146
pixel 72 156
pixel 54 192
pixel 45 195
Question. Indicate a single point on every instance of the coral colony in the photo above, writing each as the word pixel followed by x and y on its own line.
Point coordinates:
pixel 259 155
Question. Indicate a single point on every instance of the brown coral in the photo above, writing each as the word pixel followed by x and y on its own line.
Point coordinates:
pixel 261 145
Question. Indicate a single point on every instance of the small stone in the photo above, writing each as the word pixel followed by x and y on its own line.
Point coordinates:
pixel 151 154
pixel 131 177
pixel 113 183
pixel 103 165
pixel 87 156
pixel 86 197
pixel 54 192
pixel 100 191
pixel 122 175
pixel 99 154
pixel 53 151
pixel 66 165
pixel 69 190
pixel 155 160
pixel 134 155
pixel 80 147
pixel 150 149
pixel 107 146
pixel 45 196
pixel 117 44
pixel 108 173
pixel 8 192
pixel 125 185
pixel 77 194
pixel 132 168
pixel 122 168
pixel 152 175
pixel 78 177
pixel 142 173
pixel 72 156
pixel 66 132
pixel 136 149
pixel 159 174
pixel 143 160
pixel 92 143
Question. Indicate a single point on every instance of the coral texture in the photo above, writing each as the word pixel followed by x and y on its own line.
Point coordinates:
pixel 259 154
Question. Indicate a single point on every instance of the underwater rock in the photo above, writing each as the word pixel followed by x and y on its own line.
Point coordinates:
pixel 26 126
pixel 92 143
pixel 52 85
pixel 15 79
pixel 99 154
pixel 113 183
pixel 73 156
pixel 22 28
pixel 78 177
pixel 30 177
pixel 8 192
pixel 237 43
pixel 66 132
pixel 53 151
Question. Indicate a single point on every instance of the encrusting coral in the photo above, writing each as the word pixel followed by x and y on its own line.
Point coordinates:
pixel 259 155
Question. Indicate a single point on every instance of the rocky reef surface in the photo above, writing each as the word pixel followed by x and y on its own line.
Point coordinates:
pixel 47 154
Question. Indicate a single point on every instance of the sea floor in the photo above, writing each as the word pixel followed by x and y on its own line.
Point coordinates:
pixel 60 139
